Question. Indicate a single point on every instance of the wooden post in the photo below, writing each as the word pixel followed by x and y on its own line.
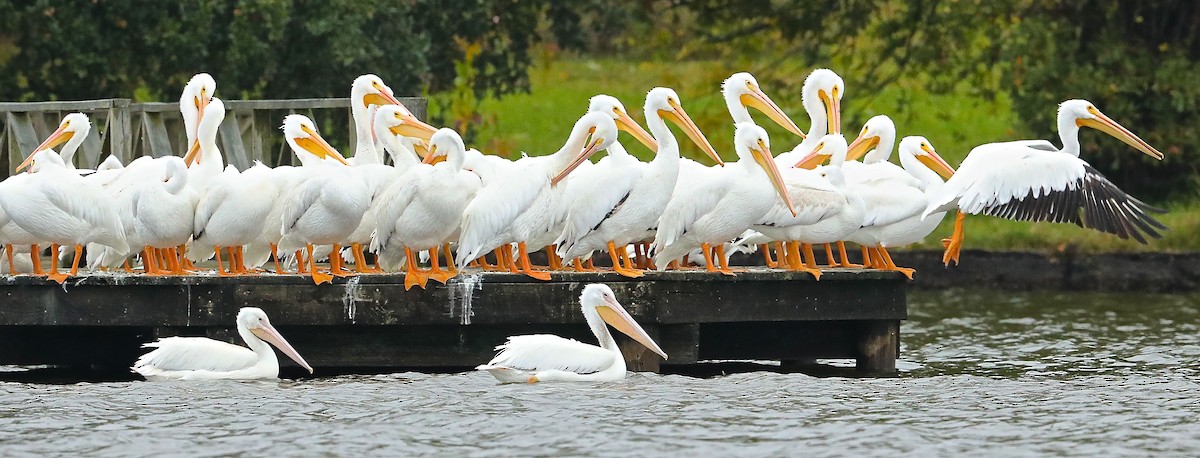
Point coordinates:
pixel 878 346
pixel 638 358
pixel 120 130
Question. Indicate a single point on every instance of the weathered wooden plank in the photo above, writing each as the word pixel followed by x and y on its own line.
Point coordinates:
pixel 231 142
pixel 64 105
pixel 878 346
pixel 120 140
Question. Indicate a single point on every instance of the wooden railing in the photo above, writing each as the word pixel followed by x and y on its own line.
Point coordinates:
pixel 250 131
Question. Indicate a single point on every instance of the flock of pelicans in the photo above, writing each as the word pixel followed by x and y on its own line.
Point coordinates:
pixel 439 199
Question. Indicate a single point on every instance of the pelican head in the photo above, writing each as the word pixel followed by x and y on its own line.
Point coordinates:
pixel 831 147
pixel 210 121
pixel 73 128
pixel 610 105
pixel 40 159
pixel 599 299
pixel 368 90
pixel 823 90
pixel 253 319
pixel 877 129
pixel 599 132
pixel 400 121
pixel 446 142
pixel 197 94
pixel 302 135
pixel 665 102
pixel 743 88
pixel 1085 114
pixel 920 148
pixel 753 144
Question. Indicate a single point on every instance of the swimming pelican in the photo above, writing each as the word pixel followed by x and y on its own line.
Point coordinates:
pixel 625 205
pixel 723 205
pixel 894 206
pixel 519 206
pixel 549 358
pixel 57 205
pixel 423 209
pixel 200 358
pixel 1034 181
pixel 326 207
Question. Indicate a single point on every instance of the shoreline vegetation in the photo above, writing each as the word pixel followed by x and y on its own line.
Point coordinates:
pixel 561 86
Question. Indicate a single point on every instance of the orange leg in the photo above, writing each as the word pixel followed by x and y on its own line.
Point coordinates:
pixel 275 257
pixel 796 262
pixel 954 243
pixel 673 265
pixel 335 263
pixel 890 265
pixel 765 248
pixel 35 254
pixel 527 267
pixel 452 269
pixel 722 260
pixel 174 262
pixel 553 260
pixel 54 274
pixel 301 266
pixel 866 257
pixel 830 262
pixel 318 277
pixel 435 269
pixel 220 267
pixel 706 249
pixel 845 259
pixel 126 266
pixel 616 255
pixel 12 268
pixel 578 266
pixel 507 250
pixel 149 266
pixel 360 259
pixel 75 262
pixel 413 276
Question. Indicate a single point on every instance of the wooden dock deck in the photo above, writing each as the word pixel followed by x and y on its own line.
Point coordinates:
pixel 371 323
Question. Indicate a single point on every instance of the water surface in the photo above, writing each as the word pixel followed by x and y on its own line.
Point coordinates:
pixel 995 372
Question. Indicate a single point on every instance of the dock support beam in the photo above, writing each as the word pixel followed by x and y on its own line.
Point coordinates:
pixel 878 346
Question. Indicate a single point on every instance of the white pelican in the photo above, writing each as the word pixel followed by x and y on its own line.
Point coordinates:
pixel 723 205
pixel 326 207
pixel 159 215
pixel 72 130
pixel 57 205
pixel 894 206
pixel 367 91
pixel 193 102
pixel 1034 181
pixel 204 159
pixel 200 358
pixel 423 209
pixel 521 205
pixel 549 358
pixel 389 122
pixel 625 206
pixel 828 208
pixel 229 215
pixel 874 145
pixel 821 96
pixel 613 166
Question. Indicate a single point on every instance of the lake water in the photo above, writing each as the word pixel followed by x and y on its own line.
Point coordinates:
pixel 992 373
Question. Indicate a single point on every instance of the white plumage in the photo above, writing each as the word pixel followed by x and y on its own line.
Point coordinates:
pixel 1034 181
pixel 199 358
pixel 546 358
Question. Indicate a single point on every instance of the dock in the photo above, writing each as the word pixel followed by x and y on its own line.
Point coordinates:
pixel 370 323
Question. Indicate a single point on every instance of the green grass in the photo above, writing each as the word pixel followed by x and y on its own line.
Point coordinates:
pixel 538 123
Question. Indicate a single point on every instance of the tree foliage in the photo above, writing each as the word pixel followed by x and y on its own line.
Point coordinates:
pixel 62 49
